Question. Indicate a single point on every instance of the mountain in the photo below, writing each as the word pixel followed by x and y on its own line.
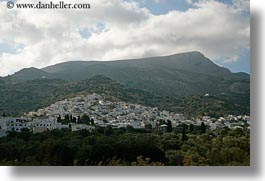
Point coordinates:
pixel 191 61
pixel 176 83
pixel 175 75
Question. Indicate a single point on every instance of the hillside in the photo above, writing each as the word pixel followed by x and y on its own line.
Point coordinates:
pixel 17 98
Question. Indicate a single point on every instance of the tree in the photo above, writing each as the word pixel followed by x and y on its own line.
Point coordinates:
pixel 130 129
pixel 67 117
pixel 85 119
pixel 63 147
pixel 184 137
pixel 100 130
pixel 25 134
pixel 59 118
pixel 108 131
pixel 74 119
pixel 169 126
pixel 92 121
pixel 203 128
pixel 60 154
pixel 148 126
pixel 191 127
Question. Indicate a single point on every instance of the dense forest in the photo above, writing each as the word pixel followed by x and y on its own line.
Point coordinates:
pixel 185 145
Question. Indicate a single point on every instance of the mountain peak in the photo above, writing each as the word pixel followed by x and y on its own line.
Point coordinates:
pixel 196 53
pixel 30 69
pixel 191 53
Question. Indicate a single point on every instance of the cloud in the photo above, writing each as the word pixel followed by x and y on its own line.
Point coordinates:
pixel 119 29
pixel 242 5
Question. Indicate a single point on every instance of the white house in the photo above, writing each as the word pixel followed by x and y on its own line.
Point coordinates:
pixel 15 124
pixel 50 124
pixel 213 126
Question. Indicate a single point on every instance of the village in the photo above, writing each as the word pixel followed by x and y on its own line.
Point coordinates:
pixel 105 113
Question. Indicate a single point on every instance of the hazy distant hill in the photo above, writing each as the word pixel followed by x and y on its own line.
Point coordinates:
pixel 180 74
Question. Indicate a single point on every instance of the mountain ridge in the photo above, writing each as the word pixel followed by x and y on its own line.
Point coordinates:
pixel 180 58
pixel 178 74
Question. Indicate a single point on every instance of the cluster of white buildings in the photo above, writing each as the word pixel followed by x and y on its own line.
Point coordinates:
pixel 120 114
pixel 230 121
pixel 37 125
pixel 110 113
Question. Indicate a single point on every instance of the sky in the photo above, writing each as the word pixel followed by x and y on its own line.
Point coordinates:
pixel 125 29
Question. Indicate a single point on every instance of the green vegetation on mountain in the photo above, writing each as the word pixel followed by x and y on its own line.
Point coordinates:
pixel 176 75
pixel 17 98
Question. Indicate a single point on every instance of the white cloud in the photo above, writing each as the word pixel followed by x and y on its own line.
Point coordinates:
pixel 242 5
pixel 52 36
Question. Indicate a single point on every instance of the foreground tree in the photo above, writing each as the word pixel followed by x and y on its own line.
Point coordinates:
pixel 203 128
pixel 169 126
